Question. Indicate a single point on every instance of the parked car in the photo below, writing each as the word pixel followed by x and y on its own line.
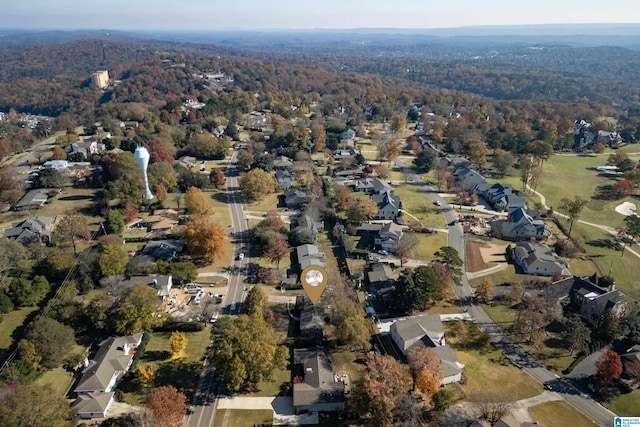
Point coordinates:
pixel 241 256
pixel 383 252
pixel 232 308
pixel 438 203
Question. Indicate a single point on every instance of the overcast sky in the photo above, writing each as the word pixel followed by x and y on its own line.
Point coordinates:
pixel 307 14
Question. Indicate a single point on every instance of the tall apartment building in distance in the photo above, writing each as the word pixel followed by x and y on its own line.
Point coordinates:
pixel 100 79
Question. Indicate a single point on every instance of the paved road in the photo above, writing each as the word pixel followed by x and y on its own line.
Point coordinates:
pixel 203 409
pixel 512 350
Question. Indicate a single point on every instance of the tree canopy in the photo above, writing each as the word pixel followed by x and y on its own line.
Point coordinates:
pixel 51 339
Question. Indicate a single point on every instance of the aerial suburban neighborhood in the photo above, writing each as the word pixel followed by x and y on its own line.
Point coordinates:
pixel 162 204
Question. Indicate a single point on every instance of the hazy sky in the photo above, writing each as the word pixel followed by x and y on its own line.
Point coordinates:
pixel 308 14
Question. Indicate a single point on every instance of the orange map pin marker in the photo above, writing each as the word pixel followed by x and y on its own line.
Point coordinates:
pixel 314 281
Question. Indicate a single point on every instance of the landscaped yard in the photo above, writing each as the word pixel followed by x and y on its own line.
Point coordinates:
pixel 344 362
pixel 243 418
pixel 419 205
pixel 626 405
pixel 559 414
pixel 182 373
pixel 59 379
pixel 13 320
pixel 281 378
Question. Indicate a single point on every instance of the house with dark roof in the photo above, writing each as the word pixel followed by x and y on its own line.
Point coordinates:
pixel 382 279
pixel 538 259
pixel 307 227
pixel 588 299
pixel 296 199
pixel 311 319
pixel 94 388
pixel 631 357
pixel 31 230
pixel 520 225
pixel 33 199
pixel 160 249
pixel 388 237
pixel 499 196
pixel 310 255
pixel 389 205
pixel 315 387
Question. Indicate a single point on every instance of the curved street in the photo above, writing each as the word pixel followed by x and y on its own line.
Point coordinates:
pixel 512 350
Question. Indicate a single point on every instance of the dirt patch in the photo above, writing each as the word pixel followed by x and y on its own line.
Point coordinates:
pixel 473 257
pixel 493 253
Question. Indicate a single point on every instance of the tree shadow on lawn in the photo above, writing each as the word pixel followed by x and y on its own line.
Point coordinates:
pixel 604 243
pixel 220 197
pixel 183 376
pixel 155 356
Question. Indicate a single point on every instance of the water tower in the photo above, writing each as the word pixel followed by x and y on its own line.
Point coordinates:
pixel 142 157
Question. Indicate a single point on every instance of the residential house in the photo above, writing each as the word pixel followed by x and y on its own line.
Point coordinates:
pixel 500 196
pixel 315 387
pixel 31 230
pixel 112 360
pixel 427 330
pixel 388 237
pixel 520 225
pixel 539 259
pixel 407 331
pixel 161 283
pixel 311 319
pixel 310 255
pixel 467 178
pixel 162 220
pixel 388 205
pixel 284 179
pixel 372 185
pixel 33 199
pixel 296 199
pixel 187 161
pixel 59 165
pixel 282 163
pixel 631 357
pixel 160 249
pixel 307 227
pixel 381 280
pixel 87 147
pixel 349 134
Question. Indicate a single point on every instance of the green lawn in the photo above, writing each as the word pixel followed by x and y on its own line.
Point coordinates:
pixel 344 362
pixel 273 388
pixel 559 414
pixel 59 379
pixel 196 345
pixel 626 405
pixel 243 418
pixel 11 321
pixel 268 203
pixel 429 245
pixel 418 204
pixel 489 373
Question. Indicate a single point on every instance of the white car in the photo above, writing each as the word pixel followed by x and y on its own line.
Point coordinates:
pixel 383 252
pixel 438 203
pixel 241 257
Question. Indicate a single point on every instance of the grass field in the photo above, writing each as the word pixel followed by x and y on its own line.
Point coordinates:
pixel 559 414
pixel 626 405
pixel 274 387
pixel 243 418
pixel 344 362
pixel 58 378
pixel 419 205
pixel 488 373
pixel 429 244
pixel 13 320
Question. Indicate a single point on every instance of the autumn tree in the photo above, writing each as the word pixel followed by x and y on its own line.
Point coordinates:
pixel 255 302
pixel 577 335
pixel 351 326
pixel 384 382
pixel 426 369
pixel 168 406
pixel 398 123
pixel 160 152
pixel 533 316
pixel 460 332
pixel 478 151
pixel 197 202
pixel 407 243
pixel 502 161
pixel 609 366
pixel 217 178
pixel 278 249
pixel 256 184
pixel 51 340
pixel 343 199
pixel 136 312
pixel 147 375
pixel 389 150
pixel 318 137
pixel 72 229
pixel 205 240
pixel 59 153
pixel 382 171
pixel 113 260
pixel 34 405
pixel 27 352
pixel 574 209
pixel 178 342
pixel 484 291
pixel 161 193
pixel 623 188
pixel 247 352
